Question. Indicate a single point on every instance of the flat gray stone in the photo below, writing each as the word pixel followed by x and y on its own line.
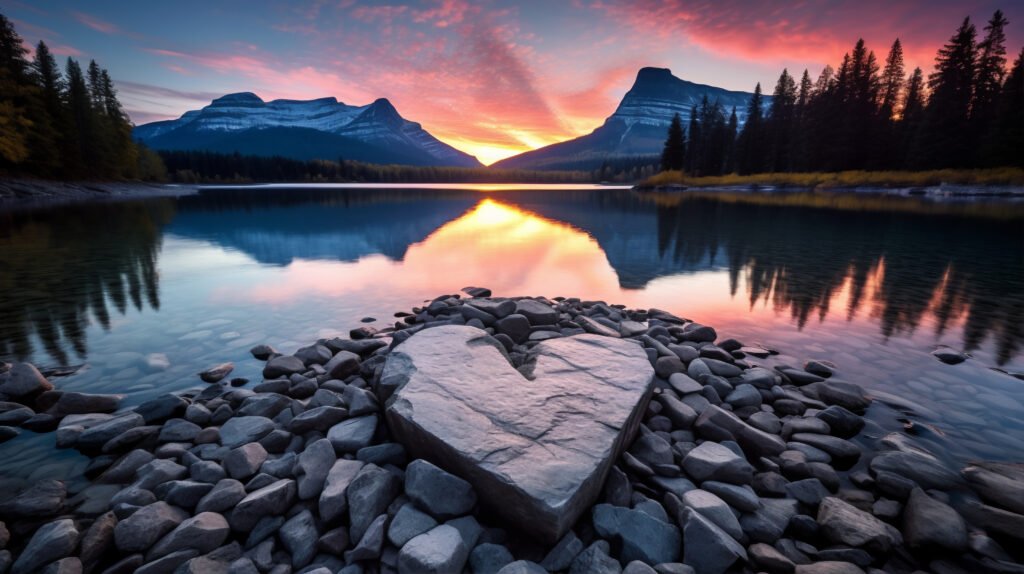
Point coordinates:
pixel 441 494
pixel 842 523
pixel 52 541
pixel 714 509
pixel 312 468
pixel 437 551
pixel 333 502
pixel 408 523
pixel 350 435
pixel 706 547
pixel 712 461
pixel 369 495
pixel 299 536
pixel 202 532
pixel 930 523
pixel 140 530
pixel 1001 484
pixel 537 449
pixel 44 498
pixel 24 380
pixel 245 429
pixel 643 537
pixel 270 500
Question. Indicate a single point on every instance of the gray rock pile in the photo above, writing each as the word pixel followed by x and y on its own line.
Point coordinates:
pixel 511 436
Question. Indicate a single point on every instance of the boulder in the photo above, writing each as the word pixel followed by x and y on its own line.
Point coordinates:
pixel 440 494
pixel 712 461
pixel 52 541
pixel 23 381
pixel 437 551
pixel 270 500
pixel 299 536
pixel 312 467
pixel 245 429
pixel 282 366
pixel 537 448
pixel 350 435
pixel 44 498
pixel 642 536
pixel 706 547
pixel 333 502
pixel 842 523
pixel 408 523
pixel 369 495
pixel 1001 484
pixel 140 530
pixel 202 532
pixel 930 523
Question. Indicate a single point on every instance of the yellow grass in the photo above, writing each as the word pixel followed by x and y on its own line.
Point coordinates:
pixel 992 176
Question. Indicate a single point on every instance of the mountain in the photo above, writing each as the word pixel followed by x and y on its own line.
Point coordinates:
pixel 312 129
pixel 638 125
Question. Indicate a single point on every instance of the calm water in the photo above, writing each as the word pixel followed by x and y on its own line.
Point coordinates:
pixel 146 293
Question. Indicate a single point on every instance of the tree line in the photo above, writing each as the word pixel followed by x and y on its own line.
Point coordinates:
pixel 211 167
pixel 66 124
pixel 968 113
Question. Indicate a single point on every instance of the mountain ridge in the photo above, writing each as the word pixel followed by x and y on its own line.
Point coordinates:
pixel 245 123
pixel 638 125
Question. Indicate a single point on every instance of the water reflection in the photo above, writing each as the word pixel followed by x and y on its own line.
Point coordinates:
pixel 60 271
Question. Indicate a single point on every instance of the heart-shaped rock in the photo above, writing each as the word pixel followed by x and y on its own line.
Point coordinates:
pixel 536 449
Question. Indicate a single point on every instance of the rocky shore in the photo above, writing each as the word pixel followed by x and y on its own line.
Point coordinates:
pixel 511 436
pixel 17 192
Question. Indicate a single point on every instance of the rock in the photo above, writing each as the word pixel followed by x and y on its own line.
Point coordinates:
pixel 706 547
pixel 490 558
pixel 846 395
pixel 7 433
pixel 408 523
pixel 527 567
pixel 183 493
pixel 94 437
pixel 840 450
pixel 441 494
pixel 70 565
pixel 52 541
pixel 369 494
pixel 841 421
pixel 353 434
pixel 742 498
pixel 949 356
pixel 561 556
pixel 224 496
pixel 1001 484
pixel 147 525
pixel 809 491
pixel 283 366
pixel 72 403
pixel 922 468
pixel 216 373
pixel 929 523
pixel 744 396
pixel 538 449
pixel 23 381
pixel 342 365
pixel 317 419
pixel 178 430
pixel 159 471
pixel 314 354
pixel 719 424
pixel 515 326
pixel 642 536
pixel 712 461
pixel 299 536
pixel 44 498
pixel 536 312
pixel 169 563
pixel 769 522
pixel 770 559
pixel 683 384
pixel 97 539
pixel 714 509
pixel 243 430
pixel 263 352
pixel 828 567
pixel 437 551
pixel 591 326
pixel 270 500
pixel 843 524
pixel 202 532
pixel 161 408
pixel 264 404
pixel 371 543
pixel 593 560
pixel 312 468
pixel 333 501
pixel 995 521
pixel 244 461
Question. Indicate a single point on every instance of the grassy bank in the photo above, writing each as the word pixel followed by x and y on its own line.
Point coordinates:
pixel 993 176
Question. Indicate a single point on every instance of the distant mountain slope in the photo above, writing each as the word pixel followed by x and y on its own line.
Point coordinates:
pixel 638 125
pixel 324 128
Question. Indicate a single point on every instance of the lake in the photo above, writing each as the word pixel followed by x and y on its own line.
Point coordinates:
pixel 147 292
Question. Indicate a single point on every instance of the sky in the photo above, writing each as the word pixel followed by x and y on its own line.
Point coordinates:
pixel 490 78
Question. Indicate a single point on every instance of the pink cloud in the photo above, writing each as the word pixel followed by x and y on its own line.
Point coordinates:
pixel 96 24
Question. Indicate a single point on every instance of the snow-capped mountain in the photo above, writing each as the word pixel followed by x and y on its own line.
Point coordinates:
pixel 638 125
pixel 312 129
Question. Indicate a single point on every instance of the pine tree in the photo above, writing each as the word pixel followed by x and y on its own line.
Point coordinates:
pixel 991 72
pixel 912 118
pixel 892 82
pixel 83 157
pixel 751 140
pixel 693 149
pixel 779 124
pixel 801 125
pixel 731 129
pixel 15 125
pixel 1006 137
pixel 674 154
pixel 947 117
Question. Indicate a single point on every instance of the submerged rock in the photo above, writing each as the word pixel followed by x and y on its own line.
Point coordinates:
pixel 538 450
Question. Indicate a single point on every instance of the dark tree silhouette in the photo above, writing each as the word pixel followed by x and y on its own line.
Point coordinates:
pixel 674 154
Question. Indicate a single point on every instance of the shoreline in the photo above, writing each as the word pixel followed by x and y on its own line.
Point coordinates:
pixel 29 192
pixel 732 462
